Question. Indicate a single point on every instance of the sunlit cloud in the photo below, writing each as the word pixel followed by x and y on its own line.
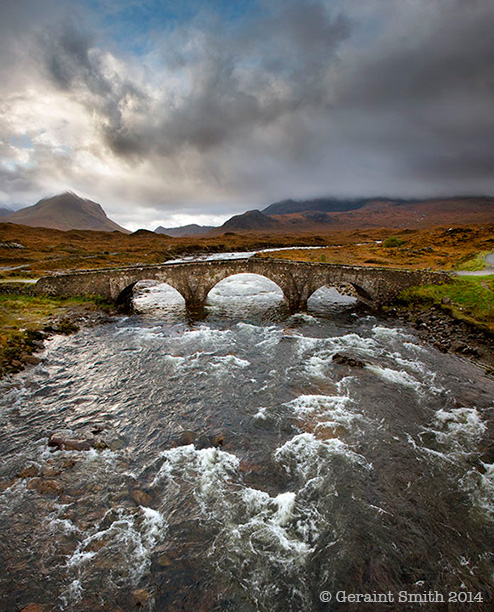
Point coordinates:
pixel 169 114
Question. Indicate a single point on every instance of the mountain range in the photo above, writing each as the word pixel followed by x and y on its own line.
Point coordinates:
pixel 68 211
pixel 311 216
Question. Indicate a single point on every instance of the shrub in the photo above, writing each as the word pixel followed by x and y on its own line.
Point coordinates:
pixel 392 242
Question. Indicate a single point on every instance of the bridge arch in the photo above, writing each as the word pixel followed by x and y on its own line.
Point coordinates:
pixel 242 287
pixel 125 296
pixel 148 294
pixel 194 280
pixel 345 287
pixel 272 283
pixel 336 293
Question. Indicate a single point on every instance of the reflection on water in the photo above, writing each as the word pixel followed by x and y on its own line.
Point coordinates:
pixel 234 465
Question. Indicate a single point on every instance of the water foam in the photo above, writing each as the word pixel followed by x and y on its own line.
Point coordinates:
pixel 307 457
pixel 208 469
pixel 399 377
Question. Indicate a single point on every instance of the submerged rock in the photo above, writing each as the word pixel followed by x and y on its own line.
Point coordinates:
pixel 348 361
pixel 29 470
pixel 95 436
pixel 63 443
pixel 140 597
pixel 141 497
pixel 44 487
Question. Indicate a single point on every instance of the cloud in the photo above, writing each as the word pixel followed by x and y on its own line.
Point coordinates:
pixel 216 112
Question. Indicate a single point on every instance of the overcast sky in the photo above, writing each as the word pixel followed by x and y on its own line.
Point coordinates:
pixel 172 112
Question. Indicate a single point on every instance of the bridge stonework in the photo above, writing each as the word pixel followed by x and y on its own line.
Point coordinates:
pixel 194 280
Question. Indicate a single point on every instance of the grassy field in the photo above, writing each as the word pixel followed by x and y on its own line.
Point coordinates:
pixel 438 248
pixel 469 298
pixel 473 264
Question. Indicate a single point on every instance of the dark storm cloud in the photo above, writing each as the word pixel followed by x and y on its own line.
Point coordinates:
pixel 68 62
pixel 296 99
pixel 433 84
pixel 238 80
pixel 76 64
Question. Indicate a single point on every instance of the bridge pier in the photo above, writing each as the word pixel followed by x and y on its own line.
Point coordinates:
pixel 296 303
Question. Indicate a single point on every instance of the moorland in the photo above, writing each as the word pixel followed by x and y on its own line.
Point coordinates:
pixel 27 253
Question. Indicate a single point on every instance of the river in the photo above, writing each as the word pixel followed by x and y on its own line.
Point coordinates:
pixel 236 466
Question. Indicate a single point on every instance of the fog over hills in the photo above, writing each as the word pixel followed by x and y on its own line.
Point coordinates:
pixel 252 220
pixel 319 204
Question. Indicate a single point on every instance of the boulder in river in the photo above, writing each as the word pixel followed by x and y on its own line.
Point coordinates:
pixel 64 443
pixel 29 470
pixel 140 597
pixel 44 486
pixel 348 361
pixel 141 497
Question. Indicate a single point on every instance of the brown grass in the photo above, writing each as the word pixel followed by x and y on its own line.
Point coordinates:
pixel 48 250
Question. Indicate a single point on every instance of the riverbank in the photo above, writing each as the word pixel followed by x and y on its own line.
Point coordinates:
pixel 459 325
pixel 26 321
pixel 437 327
pixel 456 317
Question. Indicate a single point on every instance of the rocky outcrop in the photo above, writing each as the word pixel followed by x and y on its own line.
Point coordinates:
pixel 438 328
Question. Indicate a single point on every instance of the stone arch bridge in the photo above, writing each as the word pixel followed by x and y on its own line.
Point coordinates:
pixel 194 280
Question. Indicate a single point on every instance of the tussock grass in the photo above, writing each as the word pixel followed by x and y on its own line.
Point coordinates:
pixel 471 298
pixel 23 317
pixel 473 264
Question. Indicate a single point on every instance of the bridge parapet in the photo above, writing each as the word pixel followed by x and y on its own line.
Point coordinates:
pixel 194 280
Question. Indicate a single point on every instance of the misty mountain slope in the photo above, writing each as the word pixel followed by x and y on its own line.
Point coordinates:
pixel 65 212
pixel 252 220
pixel 287 207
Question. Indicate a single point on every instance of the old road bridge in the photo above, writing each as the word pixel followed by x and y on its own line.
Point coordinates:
pixel 194 280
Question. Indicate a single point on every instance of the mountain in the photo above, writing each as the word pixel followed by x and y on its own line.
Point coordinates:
pixel 252 220
pixel 4 212
pixel 324 214
pixel 287 207
pixel 185 230
pixel 65 212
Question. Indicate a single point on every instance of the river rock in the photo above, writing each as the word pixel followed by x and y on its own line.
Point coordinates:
pixel 141 497
pixel 64 443
pixel 34 607
pixel 185 438
pixel 50 471
pixel 30 359
pixel 28 471
pixel 45 487
pixel 140 597
pixel 216 439
pixel 202 441
pixel 348 361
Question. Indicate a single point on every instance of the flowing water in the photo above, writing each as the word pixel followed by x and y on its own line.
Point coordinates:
pixel 236 466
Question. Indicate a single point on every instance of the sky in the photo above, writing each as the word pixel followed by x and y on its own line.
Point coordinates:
pixel 174 112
